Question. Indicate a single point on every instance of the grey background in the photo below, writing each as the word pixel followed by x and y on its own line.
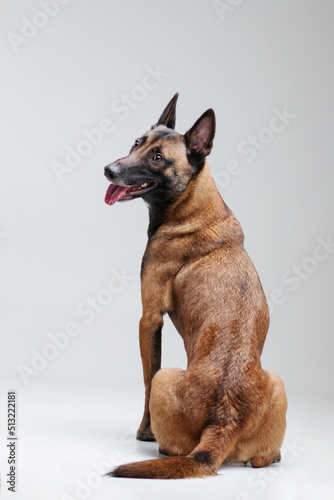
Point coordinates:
pixel 60 243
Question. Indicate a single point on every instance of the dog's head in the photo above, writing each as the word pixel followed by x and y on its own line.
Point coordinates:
pixel 161 162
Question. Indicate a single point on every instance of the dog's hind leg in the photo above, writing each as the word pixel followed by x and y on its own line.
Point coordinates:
pixel 196 445
pixel 176 427
pixel 262 442
pixel 180 423
pixel 269 438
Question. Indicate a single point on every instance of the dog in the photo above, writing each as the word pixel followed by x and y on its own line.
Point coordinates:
pixel 224 407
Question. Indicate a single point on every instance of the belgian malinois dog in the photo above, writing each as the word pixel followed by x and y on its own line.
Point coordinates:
pixel 224 406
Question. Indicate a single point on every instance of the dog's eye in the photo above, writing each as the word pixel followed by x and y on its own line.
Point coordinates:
pixel 157 158
pixel 136 143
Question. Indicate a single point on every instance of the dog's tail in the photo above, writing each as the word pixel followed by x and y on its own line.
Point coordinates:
pixel 167 468
pixel 205 460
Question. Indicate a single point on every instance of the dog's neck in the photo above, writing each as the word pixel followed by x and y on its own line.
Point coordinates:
pixel 199 202
pixel 200 195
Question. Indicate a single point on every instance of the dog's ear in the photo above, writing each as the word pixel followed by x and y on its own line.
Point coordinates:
pixel 168 115
pixel 199 139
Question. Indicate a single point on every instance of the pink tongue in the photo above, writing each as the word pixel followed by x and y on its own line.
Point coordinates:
pixel 115 193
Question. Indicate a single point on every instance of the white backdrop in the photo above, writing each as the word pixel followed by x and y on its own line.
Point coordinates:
pixel 80 81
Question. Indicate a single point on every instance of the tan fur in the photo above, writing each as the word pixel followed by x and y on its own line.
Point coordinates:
pixel 178 408
pixel 223 407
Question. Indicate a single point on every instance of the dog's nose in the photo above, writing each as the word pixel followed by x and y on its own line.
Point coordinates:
pixel 111 171
pixel 107 172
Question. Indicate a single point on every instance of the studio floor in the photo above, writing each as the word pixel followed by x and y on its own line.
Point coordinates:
pixel 70 435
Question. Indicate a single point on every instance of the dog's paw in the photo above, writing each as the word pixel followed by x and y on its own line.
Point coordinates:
pixel 145 435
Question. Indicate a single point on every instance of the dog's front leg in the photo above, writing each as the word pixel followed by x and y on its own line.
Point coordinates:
pixel 150 350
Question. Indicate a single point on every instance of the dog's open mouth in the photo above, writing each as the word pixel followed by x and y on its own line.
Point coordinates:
pixel 125 193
